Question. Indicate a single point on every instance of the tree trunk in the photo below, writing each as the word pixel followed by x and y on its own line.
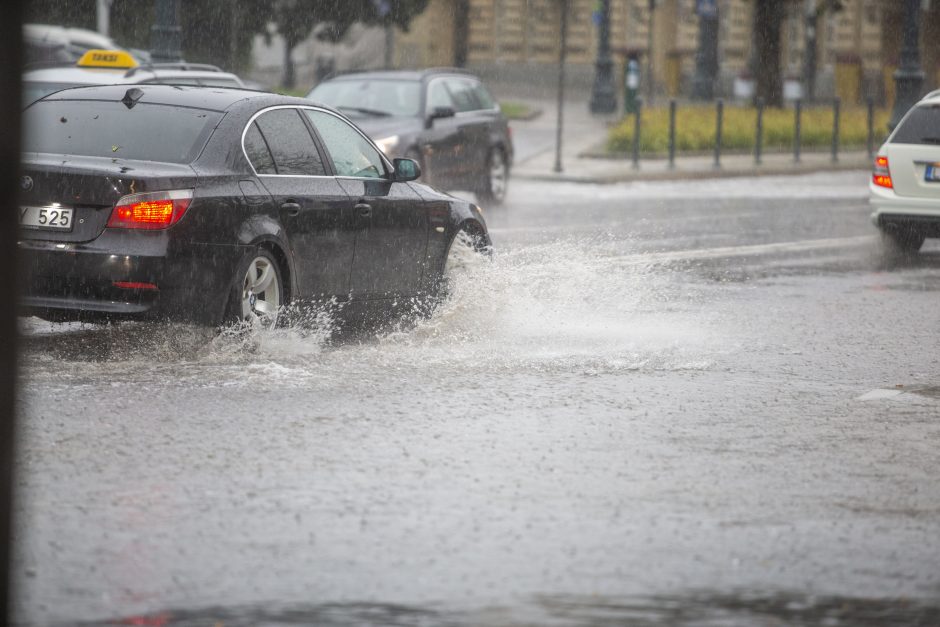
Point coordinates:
pixel 768 23
pixel 461 32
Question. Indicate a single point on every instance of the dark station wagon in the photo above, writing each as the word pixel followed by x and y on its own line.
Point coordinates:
pixel 214 205
pixel 443 118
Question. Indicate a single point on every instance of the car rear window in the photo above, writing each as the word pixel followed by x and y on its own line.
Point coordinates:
pixel 367 97
pixel 149 132
pixel 921 126
pixel 33 91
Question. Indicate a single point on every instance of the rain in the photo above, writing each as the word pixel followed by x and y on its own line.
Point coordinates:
pixel 674 359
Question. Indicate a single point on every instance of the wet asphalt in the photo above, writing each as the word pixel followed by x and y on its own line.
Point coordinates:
pixel 692 403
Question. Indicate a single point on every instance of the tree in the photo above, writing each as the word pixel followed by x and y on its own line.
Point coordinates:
pixel 815 9
pixel 768 25
pixel 295 19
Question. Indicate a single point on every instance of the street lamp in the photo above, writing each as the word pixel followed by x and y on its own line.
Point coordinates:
pixel 165 32
pixel 706 58
pixel 603 96
pixel 909 77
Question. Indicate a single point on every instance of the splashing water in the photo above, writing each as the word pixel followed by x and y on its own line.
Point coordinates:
pixel 560 306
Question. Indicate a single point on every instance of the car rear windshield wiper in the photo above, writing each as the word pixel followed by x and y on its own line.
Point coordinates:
pixel 373 112
pixel 930 140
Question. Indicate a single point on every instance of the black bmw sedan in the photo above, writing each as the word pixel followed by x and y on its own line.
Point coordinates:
pixel 443 118
pixel 212 205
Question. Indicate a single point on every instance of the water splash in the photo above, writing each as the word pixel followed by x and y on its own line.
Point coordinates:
pixel 559 306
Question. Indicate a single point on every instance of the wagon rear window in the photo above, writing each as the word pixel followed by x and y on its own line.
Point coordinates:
pixel 150 132
pixel 922 126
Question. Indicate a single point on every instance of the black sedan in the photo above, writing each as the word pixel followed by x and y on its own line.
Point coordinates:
pixel 444 119
pixel 214 205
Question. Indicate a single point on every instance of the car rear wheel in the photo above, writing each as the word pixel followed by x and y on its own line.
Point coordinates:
pixel 902 240
pixel 257 295
pixel 495 183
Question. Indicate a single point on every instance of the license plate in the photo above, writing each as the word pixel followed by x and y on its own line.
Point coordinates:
pixel 932 174
pixel 51 218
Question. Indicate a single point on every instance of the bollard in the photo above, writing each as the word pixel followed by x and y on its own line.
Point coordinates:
pixel 797 129
pixel 871 127
pixel 636 134
pixel 672 134
pixel 759 135
pixel 719 117
pixel 836 104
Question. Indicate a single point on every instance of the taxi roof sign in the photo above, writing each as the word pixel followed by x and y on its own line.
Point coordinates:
pixel 116 59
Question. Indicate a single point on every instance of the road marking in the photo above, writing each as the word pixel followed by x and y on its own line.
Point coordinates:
pixel 879 394
pixel 747 251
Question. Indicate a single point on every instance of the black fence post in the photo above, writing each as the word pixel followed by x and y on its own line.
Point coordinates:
pixel 836 105
pixel 672 134
pixel 797 130
pixel 759 137
pixel 636 133
pixel 719 118
pixel 871 127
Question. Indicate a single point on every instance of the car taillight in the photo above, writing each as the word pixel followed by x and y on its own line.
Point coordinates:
pixel 882 174
pixel 152 210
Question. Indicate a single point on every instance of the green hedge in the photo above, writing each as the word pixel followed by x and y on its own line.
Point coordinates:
pixel 695 129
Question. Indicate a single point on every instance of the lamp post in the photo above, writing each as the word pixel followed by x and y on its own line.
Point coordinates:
pixel 909 77
pixel 706 58
pixel 165 32
pixel 603 96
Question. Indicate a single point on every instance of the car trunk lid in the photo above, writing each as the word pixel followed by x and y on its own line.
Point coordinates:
pixel 913 153
pixel 90 187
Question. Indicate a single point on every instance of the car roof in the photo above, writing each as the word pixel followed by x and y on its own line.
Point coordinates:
pixel 933 98
pixel 115 76
pixel 405 75
pixel 213 98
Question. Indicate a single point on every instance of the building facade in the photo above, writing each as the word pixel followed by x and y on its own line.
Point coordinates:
pixel 857 46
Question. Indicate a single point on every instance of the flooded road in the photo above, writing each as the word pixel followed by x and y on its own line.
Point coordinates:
pixel 707 402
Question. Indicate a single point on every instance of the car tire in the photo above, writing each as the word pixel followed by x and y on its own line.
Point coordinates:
pixel 257 294
pixel 495 182
pixel 467 249
pixel 900 240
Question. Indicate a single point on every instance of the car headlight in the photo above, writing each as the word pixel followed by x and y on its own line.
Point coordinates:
pixel 387 144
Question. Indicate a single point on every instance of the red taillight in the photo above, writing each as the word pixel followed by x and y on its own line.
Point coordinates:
pixel 154 210
pixel 134 285
pixel 882 174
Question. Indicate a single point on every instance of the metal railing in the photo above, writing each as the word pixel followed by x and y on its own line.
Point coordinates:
pixel 758 153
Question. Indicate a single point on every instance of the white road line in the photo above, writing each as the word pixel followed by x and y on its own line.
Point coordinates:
pixel 746 251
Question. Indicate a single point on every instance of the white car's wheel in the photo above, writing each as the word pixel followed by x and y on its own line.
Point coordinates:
pixel 902 240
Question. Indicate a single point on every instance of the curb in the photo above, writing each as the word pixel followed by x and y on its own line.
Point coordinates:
pixel 630 175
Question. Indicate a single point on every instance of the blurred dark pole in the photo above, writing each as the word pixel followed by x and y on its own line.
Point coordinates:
pixel 603 95
pixel 165 32
pixel 706 58
pixel 461 32
pixel 561 84
pixel 10 70
pixel 389 45
pixel 909 77
pixel 649 52
pixel 809 51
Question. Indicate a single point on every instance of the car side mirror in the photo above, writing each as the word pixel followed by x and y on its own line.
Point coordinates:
pixel 438 113
pixel 406 170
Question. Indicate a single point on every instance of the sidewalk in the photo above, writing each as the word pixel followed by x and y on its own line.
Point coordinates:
pixel 585 134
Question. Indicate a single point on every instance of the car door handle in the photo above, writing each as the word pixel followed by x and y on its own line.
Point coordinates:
pixel 291 208
pixel 364 209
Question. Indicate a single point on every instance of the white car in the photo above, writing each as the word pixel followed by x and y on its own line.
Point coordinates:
pixel 905 184
pixel 118 67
